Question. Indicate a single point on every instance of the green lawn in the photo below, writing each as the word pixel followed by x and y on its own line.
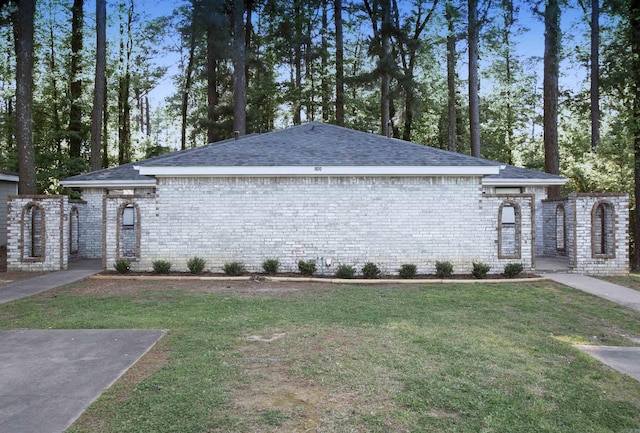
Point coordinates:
pixel 631 281
pixel 255 357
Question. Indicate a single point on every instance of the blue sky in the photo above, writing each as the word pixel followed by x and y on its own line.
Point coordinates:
pixel 529 44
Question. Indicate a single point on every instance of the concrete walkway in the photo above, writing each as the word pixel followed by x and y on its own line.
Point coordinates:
pixel 620 295
pixel 78 270
pixel 48 377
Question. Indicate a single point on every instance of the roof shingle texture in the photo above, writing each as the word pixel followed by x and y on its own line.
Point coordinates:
pixel 311 144
pixel 316 144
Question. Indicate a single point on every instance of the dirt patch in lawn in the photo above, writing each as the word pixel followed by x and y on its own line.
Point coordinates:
pixel 311 380
pixel 249 288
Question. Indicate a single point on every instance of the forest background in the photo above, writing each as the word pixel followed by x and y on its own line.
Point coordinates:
pixel 466 76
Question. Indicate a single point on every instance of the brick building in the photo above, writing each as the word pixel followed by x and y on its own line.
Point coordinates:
pixel 325 193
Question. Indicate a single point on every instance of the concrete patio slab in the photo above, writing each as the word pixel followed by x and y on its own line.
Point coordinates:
pixel 49 377
pixel 623 359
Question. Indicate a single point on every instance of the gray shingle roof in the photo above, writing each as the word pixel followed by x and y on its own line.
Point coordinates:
pixel 316 144
pixel 512 172
pixel 311 144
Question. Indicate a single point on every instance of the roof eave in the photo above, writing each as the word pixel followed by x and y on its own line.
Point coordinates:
pixel 9 178
pixel 318 171
pixel 523 182
pixel 108 183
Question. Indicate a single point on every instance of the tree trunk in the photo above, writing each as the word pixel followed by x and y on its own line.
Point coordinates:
pixel 239 78
pixel 550 86
pixel 124 122
pixel 297 64
pixel 105 127
pixel 99 89
pixel 23 39
pixel 339 64
pixel 147 116
pixel 187 80
pixel 634 21
pixel 75 87
pixel 385 61
pixel 595 74
pixel 324 53
pixel 124 89
pixel 55 112
pixel 474 100
pixel 212 84
pixel 451 78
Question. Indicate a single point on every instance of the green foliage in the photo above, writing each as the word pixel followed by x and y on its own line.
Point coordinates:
pixel 371 270
pixel 512 270
pixel 234 269
pixel 306 268
pixel 480 270
pixel 345 271
pixel 161 266
pixel 271 266
pixel 408 270
pixel 196 265
pixel 122 266
pixel 444 269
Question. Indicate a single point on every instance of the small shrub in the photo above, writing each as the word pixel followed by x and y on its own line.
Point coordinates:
pixel 370 270
pixel 122 266
pixel 234 269
pixel 271 266
pixel 512 270
pixel 444 269
pixel 408 270
pixel 345 271
pixel 306 268
pixel 161 267
pixel 196 265
pixel 480 270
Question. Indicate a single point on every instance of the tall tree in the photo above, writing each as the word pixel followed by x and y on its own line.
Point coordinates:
pixel 474 83
pixel 595 73
pixel 379 12
pixel 452 38
pixel 124 86
pixel 385 65
pixel 188 73
pixel 339 63
pixel 239 71
pixel 75 86
pixel 550 90
pixel 634 21
pixel 100 82
pixel 408 37
pixel 324 55
pixel 23 24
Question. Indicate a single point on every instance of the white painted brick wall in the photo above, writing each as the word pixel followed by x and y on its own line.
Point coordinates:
pixel 584 260
pixel 90 216
pixel 56 221
pixel 389 221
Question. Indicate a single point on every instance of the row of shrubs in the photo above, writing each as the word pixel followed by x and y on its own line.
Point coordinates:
pixel 370 270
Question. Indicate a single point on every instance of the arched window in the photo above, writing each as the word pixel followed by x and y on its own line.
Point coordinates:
pixel 509 226
pixel 33 238
pixel 602 230
pixel 74 230
pixel 561 229
pixel 128 231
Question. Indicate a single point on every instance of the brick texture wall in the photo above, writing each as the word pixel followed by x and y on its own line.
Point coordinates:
pixel 617 231
pixel 54 227
pixel 389 221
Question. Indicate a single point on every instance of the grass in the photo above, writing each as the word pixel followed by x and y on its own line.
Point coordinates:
pixel 454 358
pixel 631 281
